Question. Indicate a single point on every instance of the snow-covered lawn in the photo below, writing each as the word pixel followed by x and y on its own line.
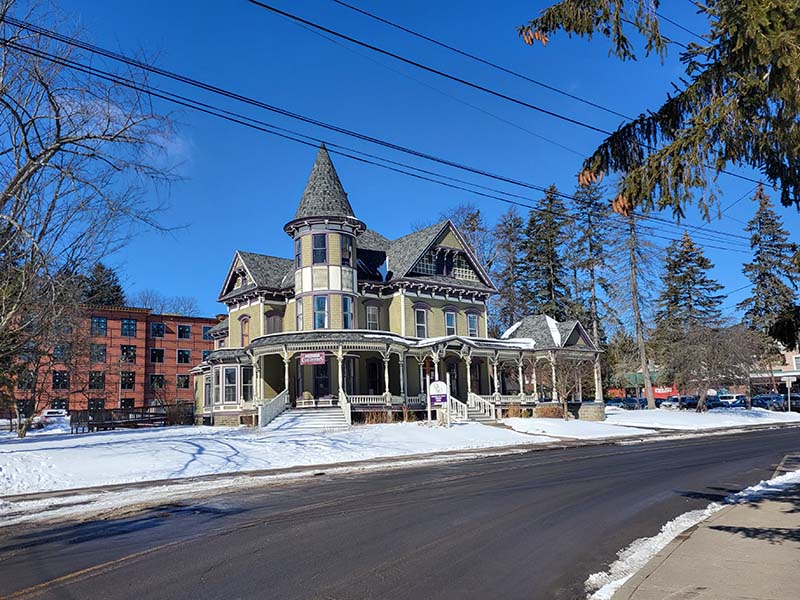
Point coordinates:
pixel 581 430
pixel 42 462
pixel 692 421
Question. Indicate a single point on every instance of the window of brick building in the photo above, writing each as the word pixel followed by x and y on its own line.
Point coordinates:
pixel 97 380
pixel 274 323
pixel 59 404
pixel 97 403
pixel 97 353
pixel 127 380
pixel 128 354
pixel 206 353
pixel 25 381
pixel 182 382
pixel 60 380
pixel 184 332
pixel 206 330
pixel 156 382
pixel 126 403
pixel 157 330
pixel 129 327
pixel 156 355
pixel 62 352
pixel 184 357
pixel 99 326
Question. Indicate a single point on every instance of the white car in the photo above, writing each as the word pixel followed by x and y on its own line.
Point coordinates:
pixel 48 415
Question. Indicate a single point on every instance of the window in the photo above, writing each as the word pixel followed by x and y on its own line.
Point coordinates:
pixel 244 323
pixel 60 380
pixel 99 326
pixel 97 353
pixel 298 252
pixel 206 353
pixel 274 323
pixel 217 397
pixel 449 322
pixel 347 250
pixel 97 403
pixel 184 357
pixel 156 382
pixel 421 321
pixel 229 381
pixel 157 330
pixel 320 312
pixel 97 380
pixel 373 318
pixel 472 325
pixel 184 332
pixel 462 269
pixel 62 352
pixel 247 384
pixel 127 403
pixel 347 312
pixel 127 380
pixel 156 355
pixel 128 354
pixel 797 362
pixel 129 327
pixel 182 382
pixel 59 404
pixel 426 265
pixel 299 304
pixel 25 381
pixel 320 248
pixel 206 332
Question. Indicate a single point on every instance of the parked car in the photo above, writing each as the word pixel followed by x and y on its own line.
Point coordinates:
pixel 47 416
pixel 616 402
pixel 630 403
pixel 671 402
pixel 769 401
pixel 714 402
pixel 733 400
pixel 687 402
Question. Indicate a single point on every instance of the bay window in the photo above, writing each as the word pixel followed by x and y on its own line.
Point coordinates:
pixel 347 312
pixel 320 312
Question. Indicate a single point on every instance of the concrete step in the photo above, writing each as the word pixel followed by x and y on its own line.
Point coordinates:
pixel 308 420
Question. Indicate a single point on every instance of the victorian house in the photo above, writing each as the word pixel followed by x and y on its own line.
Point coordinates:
pixel 359 321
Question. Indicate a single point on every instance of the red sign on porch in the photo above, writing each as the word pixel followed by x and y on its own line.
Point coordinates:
pixel 312 358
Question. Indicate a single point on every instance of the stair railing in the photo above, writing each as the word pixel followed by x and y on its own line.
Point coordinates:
pixel 344 404
pixel 486 408
pixel 267 412
pixel 458 409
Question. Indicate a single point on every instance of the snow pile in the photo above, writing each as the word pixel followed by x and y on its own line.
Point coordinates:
pixel 691 420
pixel 52 462
pixel 576 429
pixel 603 585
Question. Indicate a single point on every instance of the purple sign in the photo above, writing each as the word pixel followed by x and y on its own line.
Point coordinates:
pixel 438 393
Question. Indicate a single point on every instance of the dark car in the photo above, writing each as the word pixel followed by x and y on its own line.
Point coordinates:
pixel 714 402
pixel 614 402
pixel 768 402
pixel 687 402
pixel 633 403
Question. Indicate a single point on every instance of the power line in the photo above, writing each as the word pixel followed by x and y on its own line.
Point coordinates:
pixel 481 60
pixel 208 87
pixel 267 128
pixel 678 25
pixel 460 80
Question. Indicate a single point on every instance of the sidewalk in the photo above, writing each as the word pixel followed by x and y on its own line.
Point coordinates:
pixel 746 551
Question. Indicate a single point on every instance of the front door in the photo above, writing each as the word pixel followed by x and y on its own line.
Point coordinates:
pixel 455 387
pixel 322 381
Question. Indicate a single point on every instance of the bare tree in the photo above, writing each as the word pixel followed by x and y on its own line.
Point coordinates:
pixel 159 303
pixel 78 152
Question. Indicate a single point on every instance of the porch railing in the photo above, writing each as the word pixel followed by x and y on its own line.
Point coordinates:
pixel 364 399
pixel 486 407
pixel 344 404
pixel 267 412
pixel 315 402
pixel 459 410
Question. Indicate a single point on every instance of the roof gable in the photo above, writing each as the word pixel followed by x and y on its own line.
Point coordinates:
pixel 324 195
pixel 260 271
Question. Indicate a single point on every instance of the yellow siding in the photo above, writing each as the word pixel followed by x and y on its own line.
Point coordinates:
pixel 450 241
pixel 335 311
pixel 308 313
pixel 289 320
pixel 305 250
pixel 394 313
pixel 334 249
pixel 436 316
pixel 234 327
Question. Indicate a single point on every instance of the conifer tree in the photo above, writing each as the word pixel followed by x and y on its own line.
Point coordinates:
pixel 509 236
pixel 773 270
pixel 102 287
pixel 543 286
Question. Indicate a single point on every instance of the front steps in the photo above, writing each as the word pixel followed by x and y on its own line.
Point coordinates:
pixel 308 420
pixel 475 415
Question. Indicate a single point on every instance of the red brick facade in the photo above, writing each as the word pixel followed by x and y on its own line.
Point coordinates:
pixel 119 357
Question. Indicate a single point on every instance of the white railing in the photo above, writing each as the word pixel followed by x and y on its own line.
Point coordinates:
pixel 458 410
pixel 486 407
pixel 344 404
pixel 270 410
pixel 368 399
pixel 510 399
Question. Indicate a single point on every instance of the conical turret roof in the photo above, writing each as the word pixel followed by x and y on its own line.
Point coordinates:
pixel 324 195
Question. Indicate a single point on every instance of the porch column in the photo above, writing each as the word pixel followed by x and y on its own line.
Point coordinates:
pixel 494 377
pixel 421 363
pixel 468 364
pixel 402 358
pixel 553 376
pixel 579 386
pixel 521 380
pixel 535 382
pixel 435 359
pixel 285 356
pixel 339 361
pixel 386 376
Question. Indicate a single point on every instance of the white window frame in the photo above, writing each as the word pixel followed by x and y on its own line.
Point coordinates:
pixel 796 359
pixel 226 386
pixel 473 331
pixel 450 314
pixel 348 316
pixel 423 324
pixel 314 249
pixel 298 306
pixel 316 311
pixel 373 314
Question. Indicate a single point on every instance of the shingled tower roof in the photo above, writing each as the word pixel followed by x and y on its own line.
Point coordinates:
pixel 324 195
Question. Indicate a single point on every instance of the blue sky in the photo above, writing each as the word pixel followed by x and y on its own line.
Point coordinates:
pixel 240 186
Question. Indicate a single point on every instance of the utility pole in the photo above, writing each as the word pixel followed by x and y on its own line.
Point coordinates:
pixel 637 312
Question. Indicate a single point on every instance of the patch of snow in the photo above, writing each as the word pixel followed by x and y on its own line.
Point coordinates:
pixel 507 333
pixel 552 325
pixel 603 585
pixel 691 420
pixel 574 428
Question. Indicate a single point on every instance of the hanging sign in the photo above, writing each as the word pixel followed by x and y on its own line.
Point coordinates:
pixel 312 358
pixel 438 393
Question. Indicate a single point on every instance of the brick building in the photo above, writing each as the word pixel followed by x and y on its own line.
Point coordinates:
pixel 119 357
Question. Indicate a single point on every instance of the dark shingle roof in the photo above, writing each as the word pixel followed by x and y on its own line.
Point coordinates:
pixel 444 280
pixel 224 354
pixel 269 271
pixel 404 252
pixel 372 240
pixel 543 330
pixel 219 327
pixel 324 195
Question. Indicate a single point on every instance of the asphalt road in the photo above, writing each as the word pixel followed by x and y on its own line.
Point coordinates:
pixel 525 526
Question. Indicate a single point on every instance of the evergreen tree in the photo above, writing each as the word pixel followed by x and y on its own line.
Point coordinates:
pixel 773 269
pixel 102 287
pixel 509 236
pixel 690 295
pixel 543 286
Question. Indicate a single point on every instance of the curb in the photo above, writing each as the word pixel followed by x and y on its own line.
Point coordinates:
pixel 407 460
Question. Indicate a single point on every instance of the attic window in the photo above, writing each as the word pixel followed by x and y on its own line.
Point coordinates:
pixel 426 265
pixel 462 269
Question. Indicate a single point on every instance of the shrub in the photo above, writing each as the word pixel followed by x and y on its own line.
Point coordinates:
pixel 514 410
pixel 409 416
pixel 375 417
pixel 549 411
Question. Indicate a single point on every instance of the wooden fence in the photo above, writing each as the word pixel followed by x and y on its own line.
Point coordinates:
pixel 81 421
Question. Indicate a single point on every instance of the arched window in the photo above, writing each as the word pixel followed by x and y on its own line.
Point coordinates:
pixel 274 322
pixel 244 323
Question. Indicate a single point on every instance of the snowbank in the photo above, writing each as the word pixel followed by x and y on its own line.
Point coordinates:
pixel 50 462
pixel 581 430
pixel 690 420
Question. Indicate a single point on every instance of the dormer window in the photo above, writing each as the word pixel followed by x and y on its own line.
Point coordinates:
pixel 320 246
pixel 347 250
